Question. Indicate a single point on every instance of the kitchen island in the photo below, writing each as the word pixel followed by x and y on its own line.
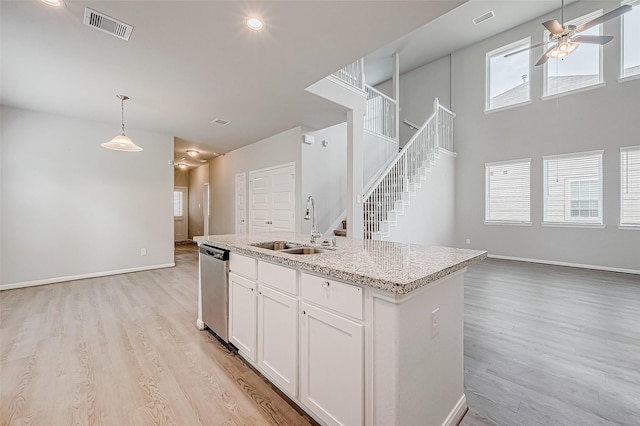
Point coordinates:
pixel 364 333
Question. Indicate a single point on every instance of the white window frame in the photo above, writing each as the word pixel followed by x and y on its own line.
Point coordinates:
pixel 545 82
pixel 488 167
pixel 574 222
pixel 626 225
pixel 623 77
pixel 523 43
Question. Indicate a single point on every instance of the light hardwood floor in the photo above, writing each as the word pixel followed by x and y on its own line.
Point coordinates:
pixel 124 350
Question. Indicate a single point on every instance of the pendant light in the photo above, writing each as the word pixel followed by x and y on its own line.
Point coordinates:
pixel 121 142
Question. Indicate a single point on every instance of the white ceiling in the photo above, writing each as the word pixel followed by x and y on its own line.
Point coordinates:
pixel 190 62
pixel 453 31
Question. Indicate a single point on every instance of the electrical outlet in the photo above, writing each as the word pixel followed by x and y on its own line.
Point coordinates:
pixel 435 322
pixel 143 252
pixel 468 240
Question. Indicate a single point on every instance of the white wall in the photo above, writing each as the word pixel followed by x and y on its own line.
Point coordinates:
pixel 603 118
pixel 429 219
pixel 197 178
pixel 72 208
pixel 324 176
pixel 324 171
pixel 418 89
pixel 272 151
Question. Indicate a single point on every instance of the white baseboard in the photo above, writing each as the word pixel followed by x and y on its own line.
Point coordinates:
pixel 572 265
pixel 82 276
pixel 457 413
pixel 200 324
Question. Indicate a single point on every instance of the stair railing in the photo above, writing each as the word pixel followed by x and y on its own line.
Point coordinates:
pixel 396 180
pixel 380 115
pixel 352 74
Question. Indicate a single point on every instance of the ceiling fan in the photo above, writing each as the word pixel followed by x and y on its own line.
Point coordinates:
pixel 567 38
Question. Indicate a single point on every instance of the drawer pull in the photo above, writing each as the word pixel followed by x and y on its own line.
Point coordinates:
pixel 326 284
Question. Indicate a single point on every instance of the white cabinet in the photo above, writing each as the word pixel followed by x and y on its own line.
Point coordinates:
pixel 242 315
pixel 331 366
pixel 278 338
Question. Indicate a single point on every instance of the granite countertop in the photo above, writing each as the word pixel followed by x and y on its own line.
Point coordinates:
pixel 393 267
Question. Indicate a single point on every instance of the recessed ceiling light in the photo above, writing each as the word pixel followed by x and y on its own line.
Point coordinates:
pixel 192 153
pixel 182 166
pixel 54 3
pixel 255 24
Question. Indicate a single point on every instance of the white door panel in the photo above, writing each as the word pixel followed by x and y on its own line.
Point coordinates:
pixel 272 199
pixel 241 203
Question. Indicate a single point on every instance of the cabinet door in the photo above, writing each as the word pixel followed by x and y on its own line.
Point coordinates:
pixel 278 338
pixel 332 366
pixel 242 315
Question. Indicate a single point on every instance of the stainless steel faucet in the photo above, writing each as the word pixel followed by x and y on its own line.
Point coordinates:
pixel 311 211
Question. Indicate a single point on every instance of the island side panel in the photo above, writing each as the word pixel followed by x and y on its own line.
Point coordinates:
pixel 418 377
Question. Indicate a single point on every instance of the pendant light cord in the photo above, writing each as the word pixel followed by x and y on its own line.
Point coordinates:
pixel 122 116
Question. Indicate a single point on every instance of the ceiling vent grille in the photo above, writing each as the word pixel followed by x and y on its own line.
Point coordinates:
pixel 221 122
pixel 107 24
pixel 480 19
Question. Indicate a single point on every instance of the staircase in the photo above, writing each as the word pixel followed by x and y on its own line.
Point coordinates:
pixel 342 232
pixel 391 194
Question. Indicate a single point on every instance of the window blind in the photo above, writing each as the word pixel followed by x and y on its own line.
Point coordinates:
pixel 508 193
pixel 573 188
pixel 630 186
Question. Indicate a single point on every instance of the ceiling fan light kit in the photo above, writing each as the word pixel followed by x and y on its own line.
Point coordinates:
pixel 567 38
pixel 562 49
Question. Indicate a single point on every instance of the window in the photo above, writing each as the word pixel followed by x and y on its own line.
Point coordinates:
pixel 573 188
pixel 583 68
pixel 177 204
pixel 631 40
pixel 507 198
pixel 508 78
pixel 630 186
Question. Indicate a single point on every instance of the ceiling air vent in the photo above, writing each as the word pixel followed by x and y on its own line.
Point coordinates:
pixel 107 24
pixel 221 122
pixel 484 17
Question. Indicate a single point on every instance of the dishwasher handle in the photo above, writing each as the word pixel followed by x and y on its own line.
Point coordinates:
pixel 215 252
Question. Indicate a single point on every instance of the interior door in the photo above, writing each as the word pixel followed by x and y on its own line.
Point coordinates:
pixel 180 213
pixel 241 203
pixel 205 209
pixel 260 187
pixel 272 199
pixel 282 198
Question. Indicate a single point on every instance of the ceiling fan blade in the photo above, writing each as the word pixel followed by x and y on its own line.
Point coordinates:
pixel 544 58
pixel 515 52
pixel 609 15
pixel 592 39
pixel 553 26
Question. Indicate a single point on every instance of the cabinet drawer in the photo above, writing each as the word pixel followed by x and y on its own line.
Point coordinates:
pixel 242 265
pixel 278 277
pixel 335 295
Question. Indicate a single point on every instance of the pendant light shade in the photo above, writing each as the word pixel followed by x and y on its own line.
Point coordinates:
pixel 121 142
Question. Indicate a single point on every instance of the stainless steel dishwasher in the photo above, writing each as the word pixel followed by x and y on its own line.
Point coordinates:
pixel 214 276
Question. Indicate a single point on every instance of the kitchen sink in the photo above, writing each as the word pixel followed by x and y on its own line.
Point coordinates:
pixel 276 245
pixel 303 250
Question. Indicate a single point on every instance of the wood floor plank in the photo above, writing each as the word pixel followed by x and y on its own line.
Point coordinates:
pixel 543 346
pixel 565 340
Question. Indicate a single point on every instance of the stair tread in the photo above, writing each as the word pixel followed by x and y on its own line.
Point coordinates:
pixel 340 232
